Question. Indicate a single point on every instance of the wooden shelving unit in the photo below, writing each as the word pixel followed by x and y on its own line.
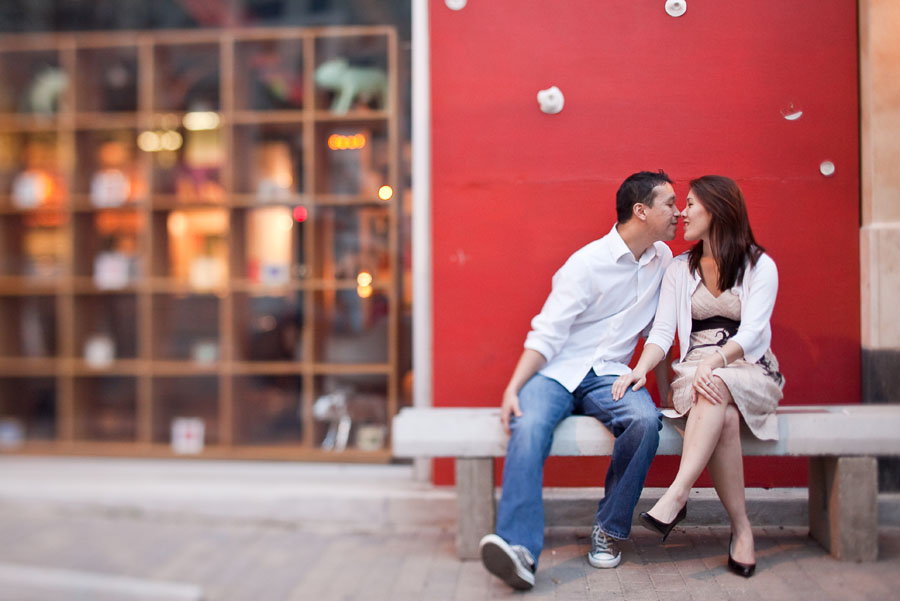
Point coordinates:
pixel 224 277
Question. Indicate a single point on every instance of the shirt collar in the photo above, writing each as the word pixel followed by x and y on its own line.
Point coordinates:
pixel 618 248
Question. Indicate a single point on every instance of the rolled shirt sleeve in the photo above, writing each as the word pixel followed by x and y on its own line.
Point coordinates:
pixel 571 293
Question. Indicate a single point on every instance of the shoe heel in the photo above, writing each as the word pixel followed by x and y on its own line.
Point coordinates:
pixel 662 527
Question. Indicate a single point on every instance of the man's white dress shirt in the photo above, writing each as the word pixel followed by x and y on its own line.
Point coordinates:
pixel 601 302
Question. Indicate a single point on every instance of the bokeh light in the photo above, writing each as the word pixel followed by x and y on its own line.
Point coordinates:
pixel 364 278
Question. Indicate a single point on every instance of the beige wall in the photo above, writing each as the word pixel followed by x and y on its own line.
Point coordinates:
pixel 880 173
pixel 879 62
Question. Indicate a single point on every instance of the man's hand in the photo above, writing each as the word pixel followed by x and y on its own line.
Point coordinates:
pixel 529 364
pixel 510 406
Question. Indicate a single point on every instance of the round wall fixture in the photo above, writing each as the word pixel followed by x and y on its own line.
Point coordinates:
pixel 791 111
pixel 551 100
pixel 455 4
pixel 826 168
pixel 676 8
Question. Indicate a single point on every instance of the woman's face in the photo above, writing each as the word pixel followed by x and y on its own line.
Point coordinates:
pixel 696 218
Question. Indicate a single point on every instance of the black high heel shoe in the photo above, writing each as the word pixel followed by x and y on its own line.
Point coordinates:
pixel 741 569
pixel 662 527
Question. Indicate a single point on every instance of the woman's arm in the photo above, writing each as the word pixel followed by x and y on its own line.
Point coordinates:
pixel 651 356
pixel 662 380
pixel 665 323
pixel 754 335
pixel 658 343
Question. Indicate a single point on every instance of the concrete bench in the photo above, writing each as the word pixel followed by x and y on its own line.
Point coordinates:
pixel 842 442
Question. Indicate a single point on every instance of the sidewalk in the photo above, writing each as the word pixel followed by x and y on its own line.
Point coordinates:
pixel 350 533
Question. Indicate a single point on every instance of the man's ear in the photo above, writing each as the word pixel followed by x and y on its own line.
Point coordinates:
pixel 639 210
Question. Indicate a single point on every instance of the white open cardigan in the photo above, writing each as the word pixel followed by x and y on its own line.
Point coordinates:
pixel 757 293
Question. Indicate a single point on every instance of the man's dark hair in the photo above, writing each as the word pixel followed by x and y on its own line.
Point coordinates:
pixel 638 188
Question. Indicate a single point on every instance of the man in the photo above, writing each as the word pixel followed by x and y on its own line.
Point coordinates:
pixel 603 298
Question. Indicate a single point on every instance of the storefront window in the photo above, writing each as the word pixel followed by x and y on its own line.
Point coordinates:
pixel 204 242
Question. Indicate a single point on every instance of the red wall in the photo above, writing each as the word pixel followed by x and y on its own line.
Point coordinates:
pixel 516 191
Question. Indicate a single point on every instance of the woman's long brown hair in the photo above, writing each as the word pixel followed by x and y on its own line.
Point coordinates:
pixel 732 241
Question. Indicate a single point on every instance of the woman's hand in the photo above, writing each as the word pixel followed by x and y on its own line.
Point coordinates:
pixel 705 386
pixel 620 386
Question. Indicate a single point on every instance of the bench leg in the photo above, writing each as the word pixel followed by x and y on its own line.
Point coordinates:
pixel 843 506
pixel 475 507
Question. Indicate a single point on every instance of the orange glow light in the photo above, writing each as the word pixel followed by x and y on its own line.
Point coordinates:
pixel 385 192
pixel 341 142
pixel 364 279
pixel 364 291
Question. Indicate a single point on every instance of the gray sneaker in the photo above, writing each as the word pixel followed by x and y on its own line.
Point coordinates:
pixel 604 550
pixel 512 564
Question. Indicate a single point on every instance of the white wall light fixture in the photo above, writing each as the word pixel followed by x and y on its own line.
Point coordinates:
pixel 551 100
pixel 676 8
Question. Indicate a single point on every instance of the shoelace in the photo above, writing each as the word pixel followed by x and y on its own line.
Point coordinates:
pixel 601 543
pixel 524 557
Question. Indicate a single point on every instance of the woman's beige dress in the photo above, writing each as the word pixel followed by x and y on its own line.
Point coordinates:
pixel 755 387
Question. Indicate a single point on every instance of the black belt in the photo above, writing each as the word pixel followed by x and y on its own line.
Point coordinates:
pixel 716 322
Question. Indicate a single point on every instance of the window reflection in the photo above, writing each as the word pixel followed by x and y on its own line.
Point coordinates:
pixel 269 410
pixel 269 245
pixel 106 409
pixel 187 77
pixel 107 168
pixel 31 326
pixel 351 412
pixel 350 328
pixel 186 328
pixel 352 240
pixel 353 159
pixel 204 231
pixel 186 164
pixel 198 254
pixel 268 328
pixel 107 330
pixel 108 243
pixel 35 81
pixel 185 398
pixel 27 410
pixel 271 75
pixel 351 73
pixel 108 79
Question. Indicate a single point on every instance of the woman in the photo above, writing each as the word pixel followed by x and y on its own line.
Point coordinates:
pixel 719 297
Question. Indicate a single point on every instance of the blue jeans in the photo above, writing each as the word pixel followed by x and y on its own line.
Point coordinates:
pixel 635 422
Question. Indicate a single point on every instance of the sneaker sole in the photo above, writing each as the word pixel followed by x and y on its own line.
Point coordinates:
pixel 605 563
pixel 500 561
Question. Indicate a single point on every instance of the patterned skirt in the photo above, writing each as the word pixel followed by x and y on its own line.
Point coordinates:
pixel 755 387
